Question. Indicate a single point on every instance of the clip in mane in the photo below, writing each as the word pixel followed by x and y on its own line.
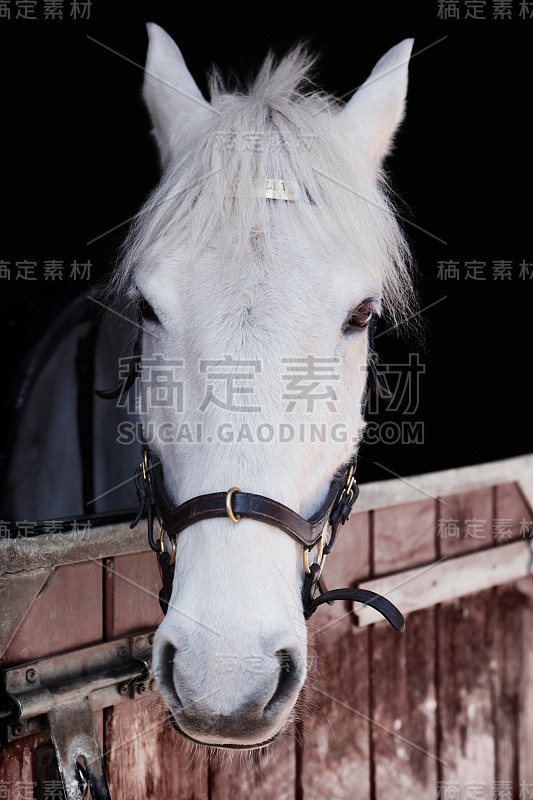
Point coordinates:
pixel 278 190
pixel 273 189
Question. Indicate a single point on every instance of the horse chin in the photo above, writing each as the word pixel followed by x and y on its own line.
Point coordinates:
pixel 210 740
pixel 217 745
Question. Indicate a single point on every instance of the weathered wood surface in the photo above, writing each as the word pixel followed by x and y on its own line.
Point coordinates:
pixel 464 694
pixel 525 691
pixel 512 514
pixel 143 755
pixel 404 709
pixel 257 775
pixel 454 481
pixel 444 710
pixel 403 539
pixel 465 522
pixel 443 580
pixel 334 728
pixel 512 660
pixel 402 666
pixel 66 614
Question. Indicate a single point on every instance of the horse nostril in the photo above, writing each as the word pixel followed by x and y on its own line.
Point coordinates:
pixel 168 652
pixel 165 671
pixel 289 677
pixel 287 661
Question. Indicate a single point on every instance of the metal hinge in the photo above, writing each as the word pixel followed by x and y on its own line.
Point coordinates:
pixel 61 693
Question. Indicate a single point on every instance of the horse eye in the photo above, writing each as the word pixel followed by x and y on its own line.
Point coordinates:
pixel 360 318
pixel 147 312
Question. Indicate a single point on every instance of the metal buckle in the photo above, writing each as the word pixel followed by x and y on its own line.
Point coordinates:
pixel 320 557
pixel 144 464
pixel 162 548
pixel 229 511
pixel 348 486
pixel 350 480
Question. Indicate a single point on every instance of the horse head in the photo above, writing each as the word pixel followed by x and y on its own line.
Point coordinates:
pixel 258 265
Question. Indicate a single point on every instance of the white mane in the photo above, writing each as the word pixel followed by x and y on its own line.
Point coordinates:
pixel 280 128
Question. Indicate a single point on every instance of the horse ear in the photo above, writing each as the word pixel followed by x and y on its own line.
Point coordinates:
pixel 170 92
pixel 377 108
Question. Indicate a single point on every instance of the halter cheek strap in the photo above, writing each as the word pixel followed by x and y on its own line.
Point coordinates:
pixel 154 501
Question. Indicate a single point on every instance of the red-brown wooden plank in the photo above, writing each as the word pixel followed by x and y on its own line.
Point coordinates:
pixel 404 536
pixel 132 586
pixel 335 712
pixel 402 665
pixel 268 774
pixel 506 670
pixel 404 709
pixel 513 518
pixel 66 614
pixel 145 759
pixel 334 761
pixel 525 698
pixel 466 727
pixel 17 766
pixel 465 522
pixel 487 705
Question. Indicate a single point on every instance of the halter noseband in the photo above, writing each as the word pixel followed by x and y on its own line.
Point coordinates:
pixel 234 504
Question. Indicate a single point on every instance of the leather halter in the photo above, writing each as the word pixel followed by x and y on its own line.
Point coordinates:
pixel 342 494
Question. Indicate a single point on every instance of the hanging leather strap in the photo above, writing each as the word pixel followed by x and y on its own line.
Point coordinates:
pixel 376 601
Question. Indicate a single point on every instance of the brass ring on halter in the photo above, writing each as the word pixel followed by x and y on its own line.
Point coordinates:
pixel 229 511
pixel 162 548
pixel 320 557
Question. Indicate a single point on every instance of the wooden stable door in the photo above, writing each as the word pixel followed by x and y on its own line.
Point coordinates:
pixel 444 710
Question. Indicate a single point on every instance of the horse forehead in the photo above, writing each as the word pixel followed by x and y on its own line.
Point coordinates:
pixel 287 283
pixel 261 310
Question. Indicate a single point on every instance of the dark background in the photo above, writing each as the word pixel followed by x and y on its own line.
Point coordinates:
pixel 78 160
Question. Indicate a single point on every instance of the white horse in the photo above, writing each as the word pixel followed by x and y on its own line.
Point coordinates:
pixel 259 261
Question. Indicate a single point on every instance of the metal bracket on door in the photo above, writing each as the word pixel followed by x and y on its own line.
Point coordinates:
pixel 61 693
